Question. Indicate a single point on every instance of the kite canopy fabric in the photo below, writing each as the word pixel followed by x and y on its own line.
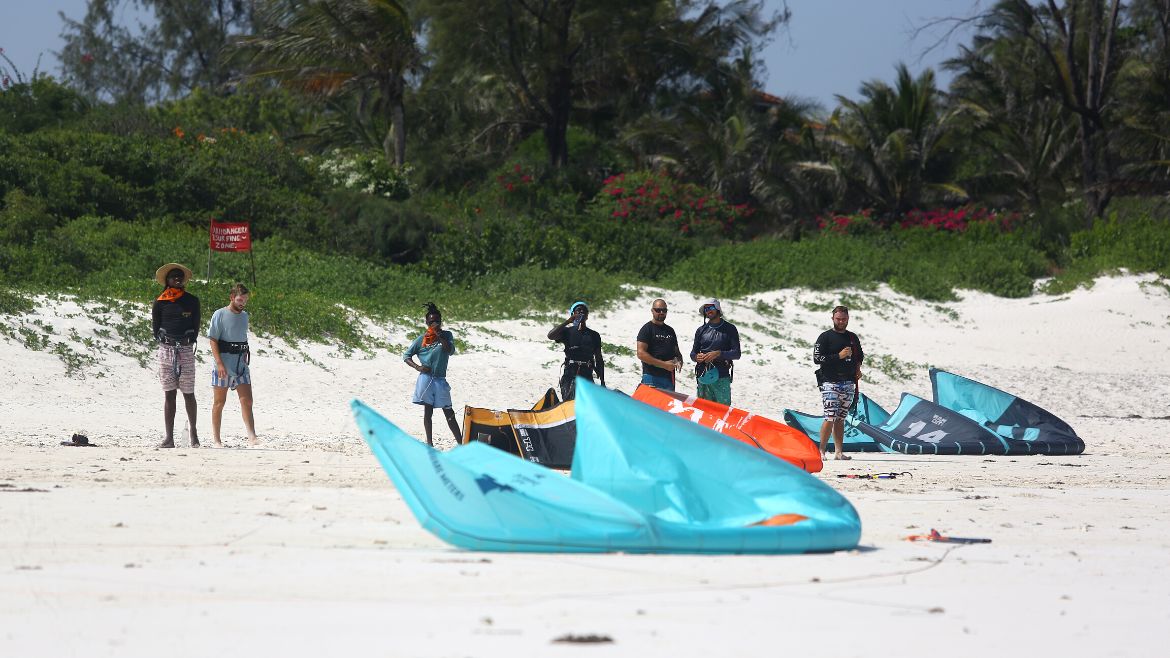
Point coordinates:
pixel 546 437
pixel 764 433
pixel 543 435
pixel 643 481
pixel 1027 428
pixel 920 427
pixel 865 411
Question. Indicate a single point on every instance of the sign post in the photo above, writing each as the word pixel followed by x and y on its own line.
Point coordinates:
pixel 230 236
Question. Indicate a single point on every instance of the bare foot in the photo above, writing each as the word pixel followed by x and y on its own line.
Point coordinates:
pixel 194 443
pixel 167 443
pixel 218 443
pixel 254 441
pixel 841 455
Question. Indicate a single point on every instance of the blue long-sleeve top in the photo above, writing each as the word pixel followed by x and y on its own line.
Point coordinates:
pixel 723 337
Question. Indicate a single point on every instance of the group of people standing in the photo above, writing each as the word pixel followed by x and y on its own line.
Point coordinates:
pixel 837 353
pixel 175 324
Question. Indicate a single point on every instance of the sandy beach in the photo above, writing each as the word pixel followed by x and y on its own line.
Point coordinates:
pixel 302 547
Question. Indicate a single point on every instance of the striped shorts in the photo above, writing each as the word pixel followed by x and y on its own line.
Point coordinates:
pixel 184 379
pixel 234 377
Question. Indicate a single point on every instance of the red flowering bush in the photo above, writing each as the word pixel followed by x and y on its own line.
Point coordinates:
pixel 646 197
pixel 953 220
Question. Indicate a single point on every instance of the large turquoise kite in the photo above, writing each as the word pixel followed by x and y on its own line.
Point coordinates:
pixel 643 481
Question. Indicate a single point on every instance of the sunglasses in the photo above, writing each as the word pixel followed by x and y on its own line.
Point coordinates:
pixel 658 310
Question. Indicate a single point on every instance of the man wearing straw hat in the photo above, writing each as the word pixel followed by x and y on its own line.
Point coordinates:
pixel 175 324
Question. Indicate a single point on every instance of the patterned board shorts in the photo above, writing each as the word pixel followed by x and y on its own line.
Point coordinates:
pixel 837 397
pixel 433 391
pixel 184 379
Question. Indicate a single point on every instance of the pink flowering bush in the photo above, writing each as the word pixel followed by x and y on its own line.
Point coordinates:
pixel 952 220
pixel 657 198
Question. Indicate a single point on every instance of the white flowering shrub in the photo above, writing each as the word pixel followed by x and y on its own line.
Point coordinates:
pixel 365 172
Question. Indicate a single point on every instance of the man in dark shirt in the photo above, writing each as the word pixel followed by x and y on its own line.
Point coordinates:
pixel 716 346
pixel 582 350
pixel 838 353
pixel 658 349
pixel 175 324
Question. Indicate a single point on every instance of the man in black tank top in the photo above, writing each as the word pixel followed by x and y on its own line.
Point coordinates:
pixel 582 350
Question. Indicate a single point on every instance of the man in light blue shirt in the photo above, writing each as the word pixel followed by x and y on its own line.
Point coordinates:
pixel 431 390
pixel 229 348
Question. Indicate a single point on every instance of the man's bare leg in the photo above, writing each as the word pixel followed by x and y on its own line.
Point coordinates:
pixel 169 408
pixel 192 416
pixel 245 393
pixel 839 439
pixel 826 429
pixel 218 400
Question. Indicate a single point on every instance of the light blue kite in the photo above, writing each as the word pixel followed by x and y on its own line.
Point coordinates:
pixel 643 481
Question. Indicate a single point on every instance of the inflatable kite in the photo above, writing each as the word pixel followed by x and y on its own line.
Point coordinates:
pixel 543 435
pixel 865 411
pixel 764 433
pixel 642 481
pixel 1025 427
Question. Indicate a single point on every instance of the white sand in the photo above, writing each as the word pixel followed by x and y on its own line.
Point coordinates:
pixel 304 548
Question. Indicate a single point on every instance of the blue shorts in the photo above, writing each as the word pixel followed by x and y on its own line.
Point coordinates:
pixel 837 397
pixel 664 383
pixel 433 391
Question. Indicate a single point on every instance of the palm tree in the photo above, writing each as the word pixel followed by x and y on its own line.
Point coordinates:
pixel 354 54
pixel 1022 136
pixel 891 149
pixel 747 146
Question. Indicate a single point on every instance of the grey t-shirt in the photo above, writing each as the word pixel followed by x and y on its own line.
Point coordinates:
pixel 230 327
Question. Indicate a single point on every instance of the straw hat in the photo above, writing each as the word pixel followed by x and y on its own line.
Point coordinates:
pixel 160 274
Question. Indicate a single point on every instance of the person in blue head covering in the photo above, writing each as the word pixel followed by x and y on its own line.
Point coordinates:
pixel 582 350
pixel 716 346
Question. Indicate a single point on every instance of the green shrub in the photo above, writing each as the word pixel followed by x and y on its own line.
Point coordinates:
pixel 370 227
pixel 1139 243
pixel 37 104
pixel 918 262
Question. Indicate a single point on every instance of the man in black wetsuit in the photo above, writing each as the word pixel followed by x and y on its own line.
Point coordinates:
pixel 175 324
pixel 582 350
pixel 838 353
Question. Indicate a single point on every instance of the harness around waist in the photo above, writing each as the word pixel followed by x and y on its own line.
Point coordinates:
pixel 187 338
pixel 229 347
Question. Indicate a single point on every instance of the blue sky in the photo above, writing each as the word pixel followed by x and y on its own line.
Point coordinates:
pixel 831 46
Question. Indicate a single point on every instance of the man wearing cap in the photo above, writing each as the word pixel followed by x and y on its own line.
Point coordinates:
pixel 582 350
pixel 658 349
pixel 716 346
pixel 175 325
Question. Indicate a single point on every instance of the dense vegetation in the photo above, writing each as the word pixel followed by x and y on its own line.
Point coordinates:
pixel 505 160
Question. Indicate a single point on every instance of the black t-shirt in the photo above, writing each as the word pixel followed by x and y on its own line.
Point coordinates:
pixel 580 345
pixel 833 367
pixel 177 317
pixel 661 343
